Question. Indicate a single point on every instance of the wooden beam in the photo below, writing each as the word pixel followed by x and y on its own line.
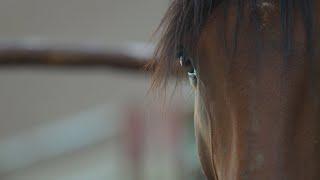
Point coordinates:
pixel 15 55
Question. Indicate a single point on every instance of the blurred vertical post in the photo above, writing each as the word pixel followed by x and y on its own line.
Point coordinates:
pixel 135 128
pixel 176 125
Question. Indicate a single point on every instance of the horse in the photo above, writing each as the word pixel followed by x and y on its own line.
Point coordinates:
pixel 254 72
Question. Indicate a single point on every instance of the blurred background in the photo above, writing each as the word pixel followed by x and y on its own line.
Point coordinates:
pixel 75 101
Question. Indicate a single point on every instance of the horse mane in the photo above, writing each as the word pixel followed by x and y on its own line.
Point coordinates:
pixel 184 20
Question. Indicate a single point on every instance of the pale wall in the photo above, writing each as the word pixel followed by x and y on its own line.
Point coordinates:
pixel 106 21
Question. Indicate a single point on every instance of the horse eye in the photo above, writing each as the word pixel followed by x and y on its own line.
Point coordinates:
pixel 186 63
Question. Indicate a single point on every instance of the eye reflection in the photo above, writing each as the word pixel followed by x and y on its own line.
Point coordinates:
pixel 193 78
